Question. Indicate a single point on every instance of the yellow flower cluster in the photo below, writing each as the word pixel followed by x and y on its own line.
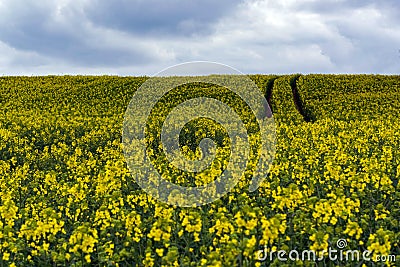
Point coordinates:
pixel 67 197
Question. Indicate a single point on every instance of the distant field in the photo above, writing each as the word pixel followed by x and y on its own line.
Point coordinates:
pixel 68 199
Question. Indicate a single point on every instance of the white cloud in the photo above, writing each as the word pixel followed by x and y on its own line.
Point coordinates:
pixel 258 36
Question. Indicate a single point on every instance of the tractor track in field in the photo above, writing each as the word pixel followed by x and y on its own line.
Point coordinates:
pixel 298 101
pixel 269 88
pixel 268 94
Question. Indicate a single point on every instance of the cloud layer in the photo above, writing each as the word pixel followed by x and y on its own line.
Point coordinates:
pixel 142 37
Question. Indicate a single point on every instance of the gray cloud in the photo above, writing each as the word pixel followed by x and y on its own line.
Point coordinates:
pixel 63 33
pixel 29 26
pixel 143 37
pixel 155 17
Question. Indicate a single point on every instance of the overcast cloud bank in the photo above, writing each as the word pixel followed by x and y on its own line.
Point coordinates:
pixel 142 37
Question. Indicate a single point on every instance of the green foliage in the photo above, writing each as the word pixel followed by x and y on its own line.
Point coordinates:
pixel 67 198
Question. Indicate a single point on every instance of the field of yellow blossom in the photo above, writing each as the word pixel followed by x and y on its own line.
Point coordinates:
pixel 67 197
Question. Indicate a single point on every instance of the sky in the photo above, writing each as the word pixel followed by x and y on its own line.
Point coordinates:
pixel 143 37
